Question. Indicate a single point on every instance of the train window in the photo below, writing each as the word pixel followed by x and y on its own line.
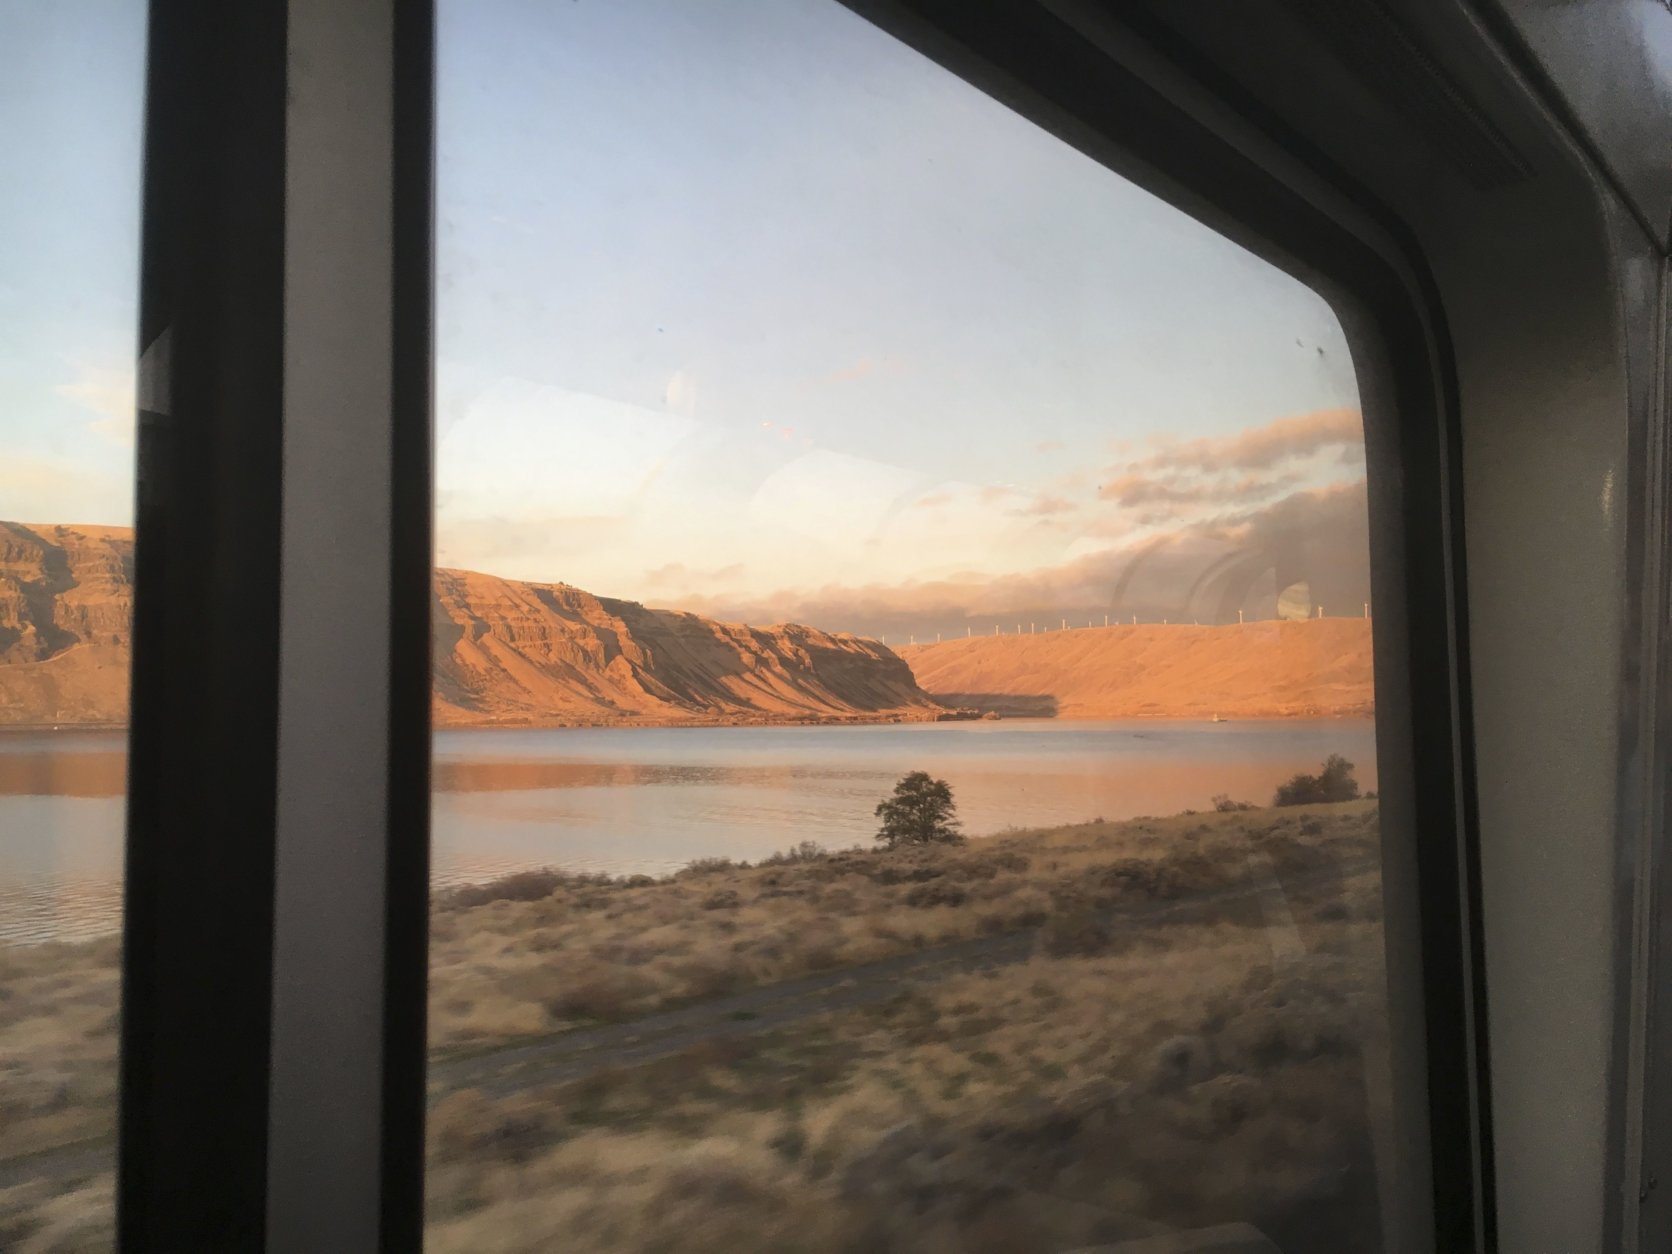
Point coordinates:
pixel 905 775
pixel 70 103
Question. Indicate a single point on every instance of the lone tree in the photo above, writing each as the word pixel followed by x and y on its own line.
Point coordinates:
pixel 921 812
pixel 1334 783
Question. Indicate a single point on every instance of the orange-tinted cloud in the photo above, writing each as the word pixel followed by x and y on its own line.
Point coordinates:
pixel 1044 506
pixel 1201 571
pixel 679 574
pixel 1261 447
pixel 1138 489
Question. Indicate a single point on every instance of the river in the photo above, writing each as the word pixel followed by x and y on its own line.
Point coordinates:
pixel 652 799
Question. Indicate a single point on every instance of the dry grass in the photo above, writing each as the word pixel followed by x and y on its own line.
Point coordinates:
pixel 58 1031
pixel 1184 1077
pixel 508 965
pixel 1122 1082
pixel 58 1021
pixel 1118 1082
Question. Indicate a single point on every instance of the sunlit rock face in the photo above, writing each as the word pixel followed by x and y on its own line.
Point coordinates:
pixel 66 617
pixel 506 651
pixel 61 587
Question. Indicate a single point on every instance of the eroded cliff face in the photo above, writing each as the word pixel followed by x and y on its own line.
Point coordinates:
pixel 66 618
pixel 506 652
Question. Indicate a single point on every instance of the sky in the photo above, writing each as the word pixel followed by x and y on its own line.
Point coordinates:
pixel 744 307
pixel 71 89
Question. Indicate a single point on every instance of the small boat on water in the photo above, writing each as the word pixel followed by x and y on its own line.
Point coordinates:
pixel 1217 719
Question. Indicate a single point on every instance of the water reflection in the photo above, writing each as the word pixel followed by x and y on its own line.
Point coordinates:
pixel 63 765
pixel 650 800
pixel 61 821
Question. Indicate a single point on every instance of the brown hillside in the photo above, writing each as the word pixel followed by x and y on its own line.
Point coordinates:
pixel 66 614
pixel 524 652
pixel 1264 669
pixel 506 652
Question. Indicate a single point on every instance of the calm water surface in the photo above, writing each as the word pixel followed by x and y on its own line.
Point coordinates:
pixel 652 799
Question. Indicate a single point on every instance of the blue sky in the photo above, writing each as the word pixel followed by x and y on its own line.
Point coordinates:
pixel 741 305
pixel 71 88
pixel 741 301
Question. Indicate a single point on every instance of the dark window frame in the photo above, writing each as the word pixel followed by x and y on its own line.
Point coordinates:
pixel 196 1111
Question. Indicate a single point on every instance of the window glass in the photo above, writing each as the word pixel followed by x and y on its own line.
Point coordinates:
pixel 71 78
pixel 904 766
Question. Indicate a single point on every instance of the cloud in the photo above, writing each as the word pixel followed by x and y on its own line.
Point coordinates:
pixel 863 368
pixel 1043 506
pixel 42 475
pixel 1179 481
pixel 860 369
pixel 1132 490
pixel 518 446
pixel 823 493
pixel 1048 446
pixel 680 395
pixel 107 391
pixel 50 490
pixel 1261 448
pixel 1204 571
pixel 679 574
pixel 520 546
pixel 1141 489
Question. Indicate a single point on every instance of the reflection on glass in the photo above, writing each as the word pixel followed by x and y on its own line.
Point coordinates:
pixel 905 777
pixel 70 97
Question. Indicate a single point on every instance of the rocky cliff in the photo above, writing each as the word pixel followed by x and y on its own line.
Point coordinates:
pixel 506 652
pixel 66 614
pixel 514 652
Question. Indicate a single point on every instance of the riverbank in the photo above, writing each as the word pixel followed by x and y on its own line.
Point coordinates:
pixel 1163 1020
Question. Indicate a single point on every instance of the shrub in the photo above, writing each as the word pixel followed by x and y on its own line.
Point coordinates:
pixel 1224 805
pixel 1075 933
pixel 921 812
pixel 600 996
pixel 936 893
pixel 806 851
pixel 1008 860
pixel 521 886
pixel 1334 782
pixel 466 1125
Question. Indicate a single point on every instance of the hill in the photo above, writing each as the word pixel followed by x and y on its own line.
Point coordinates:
pixel 1264 669
pixel 66 619
pixel 506 652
